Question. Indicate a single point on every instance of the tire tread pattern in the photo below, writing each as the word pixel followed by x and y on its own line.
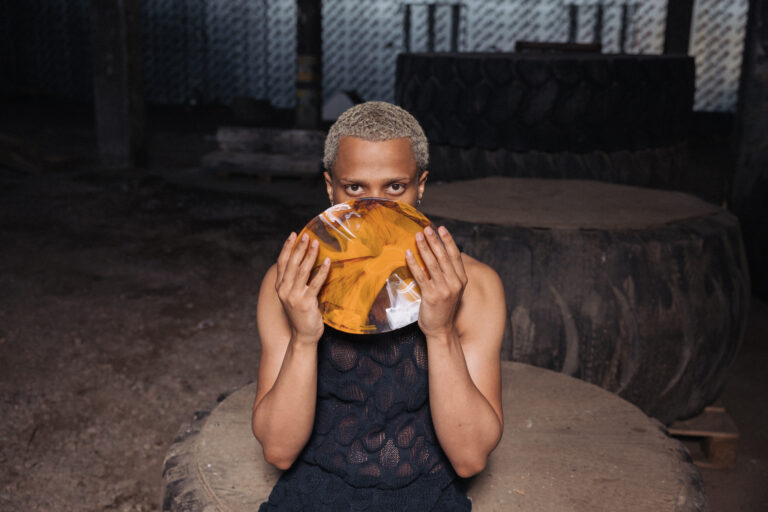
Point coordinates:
pixel 657 314
pixel 502 103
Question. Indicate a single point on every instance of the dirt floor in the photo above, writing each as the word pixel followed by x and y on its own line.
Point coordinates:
pixel 127 302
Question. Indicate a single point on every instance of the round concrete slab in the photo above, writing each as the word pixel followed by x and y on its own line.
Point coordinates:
pixel 568 204
pixel 567 446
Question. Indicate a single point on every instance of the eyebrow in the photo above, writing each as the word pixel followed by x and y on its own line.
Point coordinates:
pixel 393 180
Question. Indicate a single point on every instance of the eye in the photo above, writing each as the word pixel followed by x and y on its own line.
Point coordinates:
pixel 353 189
pixel 397 188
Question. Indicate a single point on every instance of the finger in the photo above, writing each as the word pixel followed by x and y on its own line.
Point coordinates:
pixel 293 263
pixel 417 272
pixel 453 252
pixel 285 254
pixel 319 279
pixel 307 263
pixel 430 263
pixel 436 244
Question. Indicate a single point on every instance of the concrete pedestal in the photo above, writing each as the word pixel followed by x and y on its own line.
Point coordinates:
pixel 567 446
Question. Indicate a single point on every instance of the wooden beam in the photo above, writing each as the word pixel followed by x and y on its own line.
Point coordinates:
pixel 749 187
pixel 118 82
pixel 309 63
pixel 716 433
pixel 677 34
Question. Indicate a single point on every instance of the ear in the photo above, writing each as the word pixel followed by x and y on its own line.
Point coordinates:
pixel 328 185
pixel 422 183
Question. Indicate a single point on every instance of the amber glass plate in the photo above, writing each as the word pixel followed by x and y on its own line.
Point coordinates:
pixel 369 287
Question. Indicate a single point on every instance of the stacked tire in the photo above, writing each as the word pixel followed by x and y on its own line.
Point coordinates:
pixel 642 292
pixel 616 118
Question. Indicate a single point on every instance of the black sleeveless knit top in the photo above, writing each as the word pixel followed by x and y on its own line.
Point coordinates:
pixel 373 446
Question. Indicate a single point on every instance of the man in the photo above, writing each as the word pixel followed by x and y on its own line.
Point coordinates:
pixel 379 150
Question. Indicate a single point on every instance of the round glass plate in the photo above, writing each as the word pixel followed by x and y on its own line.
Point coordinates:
pixel 369 288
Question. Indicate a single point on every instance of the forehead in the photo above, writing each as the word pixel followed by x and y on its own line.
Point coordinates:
pixel 358 156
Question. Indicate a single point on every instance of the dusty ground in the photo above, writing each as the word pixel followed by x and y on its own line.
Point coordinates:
pixel 124 307
pixel 128 302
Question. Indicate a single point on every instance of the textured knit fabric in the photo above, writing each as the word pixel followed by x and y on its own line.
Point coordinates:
pixel 373 446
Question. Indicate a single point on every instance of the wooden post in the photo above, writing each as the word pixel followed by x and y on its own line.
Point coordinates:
pixel 309 63
pixel 407 28
pixel 749 187
pixel 597 37
pixel 625 20
pixel 677 34
pixel 431 10
pixel 573 23
pixel 455 22
pixel 118 82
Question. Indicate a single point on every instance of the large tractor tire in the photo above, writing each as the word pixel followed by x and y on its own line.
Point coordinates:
pixel 642 292
pixel 617 118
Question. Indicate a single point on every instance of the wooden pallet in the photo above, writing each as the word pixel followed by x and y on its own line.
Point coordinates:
pixel 264 166
pixel 715 435
pixel 267 154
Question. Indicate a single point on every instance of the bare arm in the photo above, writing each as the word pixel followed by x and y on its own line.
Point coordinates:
pixel 289 326
pixel 463 316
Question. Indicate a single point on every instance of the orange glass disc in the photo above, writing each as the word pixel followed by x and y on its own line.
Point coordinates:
pixel 369 288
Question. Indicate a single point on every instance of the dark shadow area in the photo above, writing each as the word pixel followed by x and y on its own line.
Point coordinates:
pixel 127 300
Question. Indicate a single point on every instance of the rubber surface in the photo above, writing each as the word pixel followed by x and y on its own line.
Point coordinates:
pixel 497 104
pixel 639 291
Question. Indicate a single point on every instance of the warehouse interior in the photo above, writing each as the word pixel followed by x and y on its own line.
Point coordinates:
pixel 145 191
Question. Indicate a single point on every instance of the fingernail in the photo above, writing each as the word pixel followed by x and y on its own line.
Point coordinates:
pixel 420 237
pixel 408 253
pixel 428 230
pixel 327 261
pixel 315 243
pixel 304 237
pixel 291 236
pixel 442 230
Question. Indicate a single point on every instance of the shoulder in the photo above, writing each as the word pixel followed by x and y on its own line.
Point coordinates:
pixel 268 291
pixel 481 279
pixel 270 277
pixel 483 308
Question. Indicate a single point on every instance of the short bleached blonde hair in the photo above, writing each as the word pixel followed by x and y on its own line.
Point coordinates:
pixel 377 121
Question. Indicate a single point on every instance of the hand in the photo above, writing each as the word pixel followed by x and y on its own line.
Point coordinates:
pixel 442 284
pixel 297 295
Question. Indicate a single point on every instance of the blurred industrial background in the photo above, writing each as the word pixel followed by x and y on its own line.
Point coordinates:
pixel 154 154
pixel 208 51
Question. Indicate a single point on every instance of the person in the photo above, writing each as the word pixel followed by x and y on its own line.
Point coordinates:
pixel 391 421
